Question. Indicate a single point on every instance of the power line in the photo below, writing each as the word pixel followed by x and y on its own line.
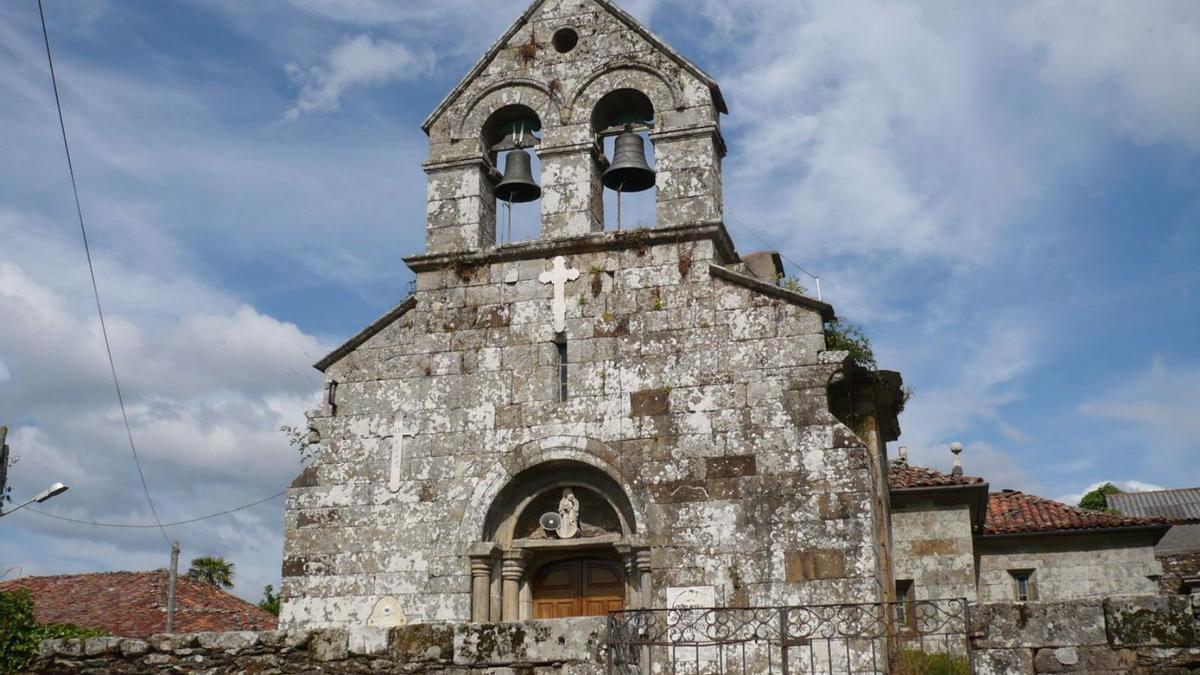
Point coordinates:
pixel 94 523
pixel 62 125
pixel 768 244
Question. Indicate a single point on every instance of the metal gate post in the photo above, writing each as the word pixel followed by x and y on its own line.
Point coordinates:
pixel 783 640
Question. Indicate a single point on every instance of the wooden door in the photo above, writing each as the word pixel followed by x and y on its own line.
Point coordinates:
pixel 580 587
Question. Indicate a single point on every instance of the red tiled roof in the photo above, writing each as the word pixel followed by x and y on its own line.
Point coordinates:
pixel 1012 512
pixel 134 604
pixel 905 476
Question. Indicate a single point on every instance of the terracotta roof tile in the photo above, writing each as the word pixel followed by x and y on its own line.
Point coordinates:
pixel 906 476
pixel 1012 512
pixel 134 604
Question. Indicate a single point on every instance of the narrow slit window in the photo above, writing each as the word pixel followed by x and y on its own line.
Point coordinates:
pixel 562 370
pixel 331 397
pixel 1023 585
pixel 904 598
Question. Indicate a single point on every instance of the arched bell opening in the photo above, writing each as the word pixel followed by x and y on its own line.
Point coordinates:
pixel 558 540
pixel 622 121
pixel 510 137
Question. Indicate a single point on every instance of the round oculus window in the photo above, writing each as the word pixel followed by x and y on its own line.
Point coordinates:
pixel 565 40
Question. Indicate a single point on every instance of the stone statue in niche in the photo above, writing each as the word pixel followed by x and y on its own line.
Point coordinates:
pixel 570 525
pixel 568 511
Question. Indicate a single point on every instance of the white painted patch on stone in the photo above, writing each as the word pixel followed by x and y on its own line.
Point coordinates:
pixel 398 455
pixel 559 275
pixel 386 614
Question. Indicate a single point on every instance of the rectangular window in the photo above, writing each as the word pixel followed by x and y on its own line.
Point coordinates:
pixel 1023 585
pixel 904 598
pixel 562 371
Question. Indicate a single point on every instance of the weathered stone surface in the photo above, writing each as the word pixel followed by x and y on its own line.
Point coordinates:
pixel 1153 621
pixel 1003 662
pixel 560 647
pixel 811 565
pixel 1100 659
pixel 1038 624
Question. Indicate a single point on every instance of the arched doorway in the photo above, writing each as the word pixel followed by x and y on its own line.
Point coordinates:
pixel 583 586
pixel 586 560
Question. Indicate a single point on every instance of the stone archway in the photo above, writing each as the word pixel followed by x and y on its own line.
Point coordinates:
pixel 524 567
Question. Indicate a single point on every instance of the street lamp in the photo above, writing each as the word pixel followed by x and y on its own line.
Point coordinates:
pixel 52 491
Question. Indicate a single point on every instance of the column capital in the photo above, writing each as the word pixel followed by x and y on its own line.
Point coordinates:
pixel 512 566
pixel 642 556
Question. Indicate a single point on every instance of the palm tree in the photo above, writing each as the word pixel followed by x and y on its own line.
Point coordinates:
pixel 214 570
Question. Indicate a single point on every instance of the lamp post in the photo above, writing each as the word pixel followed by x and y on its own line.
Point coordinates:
pixel 52 491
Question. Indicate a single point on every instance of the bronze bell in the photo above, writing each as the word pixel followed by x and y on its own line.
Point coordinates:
pixel 629 171
pixel 518 186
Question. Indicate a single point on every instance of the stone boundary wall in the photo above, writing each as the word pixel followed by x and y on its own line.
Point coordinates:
pixel 532 647
pixel 1155 634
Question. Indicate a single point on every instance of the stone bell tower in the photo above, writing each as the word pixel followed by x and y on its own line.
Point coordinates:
pixel 578 71
pixel 592 419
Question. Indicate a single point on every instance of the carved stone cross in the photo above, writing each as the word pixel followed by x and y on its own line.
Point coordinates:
pixel 559 276
pixel 398 455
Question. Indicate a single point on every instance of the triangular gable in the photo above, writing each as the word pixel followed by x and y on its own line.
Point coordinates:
pixel 367 333
pixel 623 16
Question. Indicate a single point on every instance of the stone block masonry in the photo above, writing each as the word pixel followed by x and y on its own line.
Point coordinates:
pixel 1116 636
pixel 541 647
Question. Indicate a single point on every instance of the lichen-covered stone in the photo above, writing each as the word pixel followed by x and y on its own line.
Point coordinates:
pixel 1153 621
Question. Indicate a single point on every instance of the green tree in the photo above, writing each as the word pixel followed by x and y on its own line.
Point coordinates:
pixel 20 633
pixel 213 570
pixel 1097 500
pixel 270 601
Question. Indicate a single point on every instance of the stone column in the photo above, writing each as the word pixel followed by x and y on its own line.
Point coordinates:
pixel 512 569
pixel 645 583
pixel 572 195
pixel 460 208
pixel 688 163
pixel 483 559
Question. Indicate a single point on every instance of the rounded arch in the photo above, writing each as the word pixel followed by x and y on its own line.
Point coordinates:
pixel 658 88
pixel 576 449
pixel 530 93
pixel 533 485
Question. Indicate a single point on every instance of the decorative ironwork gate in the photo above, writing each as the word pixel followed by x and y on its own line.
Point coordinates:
pixel 890 638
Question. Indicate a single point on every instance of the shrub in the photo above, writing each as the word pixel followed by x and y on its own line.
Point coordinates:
pixel 20 633
pixel 913 662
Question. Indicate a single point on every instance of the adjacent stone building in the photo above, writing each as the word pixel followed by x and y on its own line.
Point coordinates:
pixel 594 419
pixel 952 538
pixel 1179 550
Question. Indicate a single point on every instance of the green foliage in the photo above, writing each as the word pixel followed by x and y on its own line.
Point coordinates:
pixel 300 440
pixel 793 284
pixel 20 633
pixel 1097 500
pixel 212 570
pixel 841 336
pixel 914 662
pixel 270 601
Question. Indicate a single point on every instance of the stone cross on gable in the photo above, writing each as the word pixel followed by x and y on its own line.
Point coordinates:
pixel 398 455
pixel 559 276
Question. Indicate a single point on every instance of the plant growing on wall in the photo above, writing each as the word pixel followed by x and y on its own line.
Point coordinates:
pixel 843 336
pixel 20 633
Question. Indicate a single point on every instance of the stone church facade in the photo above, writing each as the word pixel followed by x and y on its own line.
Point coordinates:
pixel 663 397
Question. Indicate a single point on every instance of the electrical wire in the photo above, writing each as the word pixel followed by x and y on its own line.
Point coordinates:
pixel 768 244
pixel 92 271
pixel 94 523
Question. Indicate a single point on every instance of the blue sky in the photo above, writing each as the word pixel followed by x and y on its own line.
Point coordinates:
pixel 1004 195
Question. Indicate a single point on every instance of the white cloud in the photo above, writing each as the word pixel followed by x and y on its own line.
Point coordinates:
pixel 357 62
pixel 208 381
pixel 1154 412
pixel 1139 61
pixel 1124 485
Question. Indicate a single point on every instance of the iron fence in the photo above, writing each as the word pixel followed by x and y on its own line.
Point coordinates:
pixel 893 638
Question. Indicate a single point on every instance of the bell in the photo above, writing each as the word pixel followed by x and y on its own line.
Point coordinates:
pixel 629 171
pixel 518 186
